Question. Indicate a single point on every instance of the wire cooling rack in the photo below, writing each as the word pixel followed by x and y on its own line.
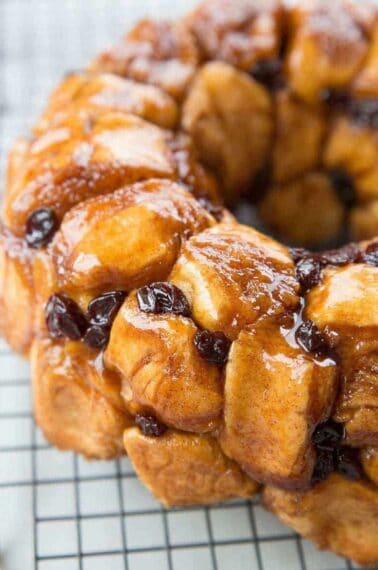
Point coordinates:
pixel 58 511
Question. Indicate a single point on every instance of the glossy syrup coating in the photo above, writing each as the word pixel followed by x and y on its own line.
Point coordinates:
pixel 219 359
pixel 72 390
pixel 84 157
pixel 127 238
pixel 161 53
pixel 275 394
pixel 85 93
pixel 354 287
pixel 234 275
pixel 162 370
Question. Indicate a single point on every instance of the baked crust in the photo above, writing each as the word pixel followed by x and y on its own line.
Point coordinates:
pixel 157 324
pixel 71 391
pixel 337 514
pixel 186 469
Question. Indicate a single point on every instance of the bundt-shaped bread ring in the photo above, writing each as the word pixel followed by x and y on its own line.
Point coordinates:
pixel 156 323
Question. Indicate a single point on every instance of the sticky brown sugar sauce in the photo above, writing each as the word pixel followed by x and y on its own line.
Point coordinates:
pixel 160 326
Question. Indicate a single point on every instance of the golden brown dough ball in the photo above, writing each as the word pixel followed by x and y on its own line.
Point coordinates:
pixel 162 370
pixel 161 53
pixel 274 395
pixel 364 220
pixel 158 325
pixel 186 469
pixel 306 210
pixel 240 32
pixel 87 93
pixel 326 49
pixel 71 391
pixel 229 118
pixel 337 514
pixel 17 304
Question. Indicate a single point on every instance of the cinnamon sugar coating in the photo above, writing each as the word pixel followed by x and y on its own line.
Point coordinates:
pixel 226 362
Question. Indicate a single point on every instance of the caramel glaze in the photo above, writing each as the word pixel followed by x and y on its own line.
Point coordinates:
pixel 131 160
pixel 91 141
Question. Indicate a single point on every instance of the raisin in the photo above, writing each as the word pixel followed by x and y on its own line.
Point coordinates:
pixel 163 297
pixel 336 99
pixel 370 256
pixel 215 210
pixel 328 435
pixel 101 313
pixel 311 339
pixel 212 346
pixel 324 465
pixel 97 336
pixel 308 272
pixel 332 455
pixel 268 72
pixel 348 463
pixel 364 112
pixel 103 309
pixel 149 425
pixel 309 265
pixel 64 318
pixel 298 253
pixel 41 226
pixel 344 186
pixel 342 256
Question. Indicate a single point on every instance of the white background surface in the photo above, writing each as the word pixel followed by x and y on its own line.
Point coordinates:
pixel 56 510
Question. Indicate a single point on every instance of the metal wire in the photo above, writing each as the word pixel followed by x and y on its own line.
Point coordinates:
pixel 39 40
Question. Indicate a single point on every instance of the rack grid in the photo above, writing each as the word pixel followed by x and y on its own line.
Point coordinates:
pixel 57 510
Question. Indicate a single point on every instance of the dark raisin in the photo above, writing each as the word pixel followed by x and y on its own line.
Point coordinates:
pixel 298 253
pixel 149 425
pixel 97 336
pixel 308 272
pixel 311 339
pixel 163 297
pixel 342 256
pixel 344 186
pixel 370 256
pixel 101 313
pixel 332 455
pixel 103 309
pixel 41 226
pixel 328 435
pixel 212 346
pixel 337 99
pixel 348 463
pixel 64 318
pixel 364 112
pixel 215 210
pixel 269 73
pixel 324 465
